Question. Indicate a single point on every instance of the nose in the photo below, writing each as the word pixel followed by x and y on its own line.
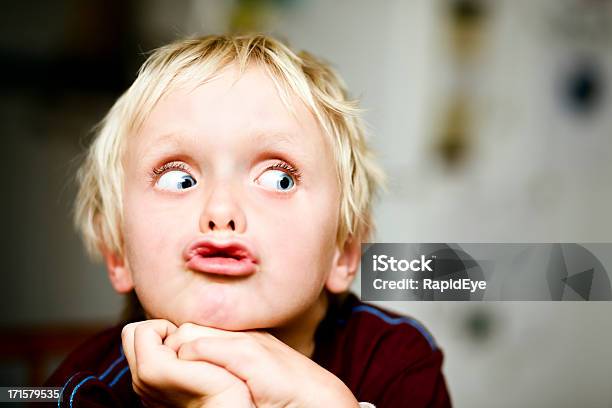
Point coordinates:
pixel 222 212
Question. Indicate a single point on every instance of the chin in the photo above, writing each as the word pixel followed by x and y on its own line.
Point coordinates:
pixel 227 322
pixel 224 317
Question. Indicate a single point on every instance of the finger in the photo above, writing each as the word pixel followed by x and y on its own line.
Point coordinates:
pixel 188 332
pixel 204 378
pixel 157 364
pixel 149 338
pixel 152 357
pixel 241 356
pixel 127 341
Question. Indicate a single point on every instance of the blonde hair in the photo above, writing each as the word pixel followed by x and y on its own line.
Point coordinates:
pixel 98 210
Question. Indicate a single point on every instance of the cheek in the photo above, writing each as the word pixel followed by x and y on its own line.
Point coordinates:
pixel 299 240
pixel 154 234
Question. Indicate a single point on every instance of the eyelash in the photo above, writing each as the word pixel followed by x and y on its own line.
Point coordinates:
pixel 157 172
pixel 281 165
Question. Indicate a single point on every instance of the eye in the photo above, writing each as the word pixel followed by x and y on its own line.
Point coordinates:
pixel 276 180
pixel 175 180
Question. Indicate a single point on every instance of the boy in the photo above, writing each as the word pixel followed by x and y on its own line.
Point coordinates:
pixel 229 189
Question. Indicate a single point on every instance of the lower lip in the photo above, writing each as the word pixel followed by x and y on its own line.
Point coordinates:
pixel 222 265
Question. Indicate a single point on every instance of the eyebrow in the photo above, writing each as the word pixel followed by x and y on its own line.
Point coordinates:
pixel 164 143
pixel 264 139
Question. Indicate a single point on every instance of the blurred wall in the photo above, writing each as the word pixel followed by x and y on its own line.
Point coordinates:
pixel 532 168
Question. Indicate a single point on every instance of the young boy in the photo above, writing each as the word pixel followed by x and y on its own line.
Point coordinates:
pixel 229 190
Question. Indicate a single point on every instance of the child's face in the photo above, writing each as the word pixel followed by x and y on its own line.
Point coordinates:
pixel 227 154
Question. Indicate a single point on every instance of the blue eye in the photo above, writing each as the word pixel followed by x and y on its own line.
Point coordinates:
pixel 276 180
pixel 175 180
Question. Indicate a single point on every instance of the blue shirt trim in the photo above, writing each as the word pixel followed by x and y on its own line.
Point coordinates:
pixel 110 368
pixel 83 381
pixel 101 377
pixel 119 375
pixel 398 320
pixel 64 387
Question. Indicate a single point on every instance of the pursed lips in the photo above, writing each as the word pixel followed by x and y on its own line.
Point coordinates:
pixel 230 258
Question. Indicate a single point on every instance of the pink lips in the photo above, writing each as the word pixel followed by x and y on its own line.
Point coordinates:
pixel 232 257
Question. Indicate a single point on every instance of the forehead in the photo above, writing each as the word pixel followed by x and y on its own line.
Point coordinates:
pixel 231 107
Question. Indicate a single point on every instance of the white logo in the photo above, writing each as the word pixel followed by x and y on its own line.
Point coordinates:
pixel 382 263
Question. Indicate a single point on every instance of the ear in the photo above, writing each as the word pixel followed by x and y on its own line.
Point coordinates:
pixel 118 271
pixel 344 268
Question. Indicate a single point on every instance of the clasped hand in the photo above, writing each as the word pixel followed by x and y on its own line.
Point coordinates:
pixel 197 366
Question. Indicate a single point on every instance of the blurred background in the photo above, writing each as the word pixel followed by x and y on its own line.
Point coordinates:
pixel 493 120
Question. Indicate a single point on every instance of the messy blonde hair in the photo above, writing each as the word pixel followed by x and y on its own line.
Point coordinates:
pixel 98 211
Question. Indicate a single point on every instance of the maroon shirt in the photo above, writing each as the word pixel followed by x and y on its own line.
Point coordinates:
pixel 384 358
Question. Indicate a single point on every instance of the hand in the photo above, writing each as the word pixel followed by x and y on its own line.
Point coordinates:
pixel 161 379
pixel 276 374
